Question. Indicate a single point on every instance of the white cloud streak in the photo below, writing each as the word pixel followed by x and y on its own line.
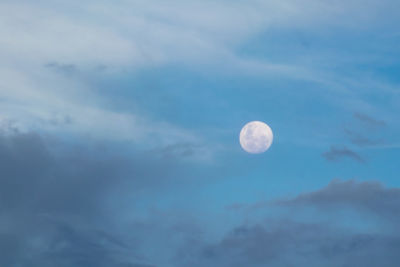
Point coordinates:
pixel 138 34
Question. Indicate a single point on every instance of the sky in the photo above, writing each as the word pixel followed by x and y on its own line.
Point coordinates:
pixel 120 122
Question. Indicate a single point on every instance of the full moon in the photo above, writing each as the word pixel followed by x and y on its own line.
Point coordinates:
pixel 256 137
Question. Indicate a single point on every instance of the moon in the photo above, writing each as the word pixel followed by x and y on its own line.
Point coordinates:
pixel 256 137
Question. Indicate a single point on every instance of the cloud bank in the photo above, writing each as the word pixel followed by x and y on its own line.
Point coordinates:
pixel 66 209
pixel 292 240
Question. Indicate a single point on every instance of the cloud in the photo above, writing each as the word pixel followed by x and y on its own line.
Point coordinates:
pixel 67 69
pixel 124 36
pixel 185 151
pixel 293 244
pixel 371 197
pixel 370 121
pixel 286 243
pixel 62 206
pixel 293 240
pixel 30 104
pixel 66 204
pixel 114 33
pixel 59 202
pixel 335 154
pixel 361 140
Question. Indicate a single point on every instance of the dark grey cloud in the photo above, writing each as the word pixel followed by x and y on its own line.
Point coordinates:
pixel 294 241
pixel 368 120
pixel 288 243
pixel 55 211
pixel 370 197
pixel 336 154
pixel 55 201
pixel 71 244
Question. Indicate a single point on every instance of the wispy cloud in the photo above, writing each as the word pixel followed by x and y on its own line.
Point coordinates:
pixel 336 154
pixel 361 140
pixel 130 35
pixel 369 120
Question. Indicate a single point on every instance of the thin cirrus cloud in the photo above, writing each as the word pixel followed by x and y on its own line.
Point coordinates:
pixel 134 34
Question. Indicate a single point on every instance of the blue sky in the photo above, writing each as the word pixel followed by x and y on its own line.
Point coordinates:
pixel 120 121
